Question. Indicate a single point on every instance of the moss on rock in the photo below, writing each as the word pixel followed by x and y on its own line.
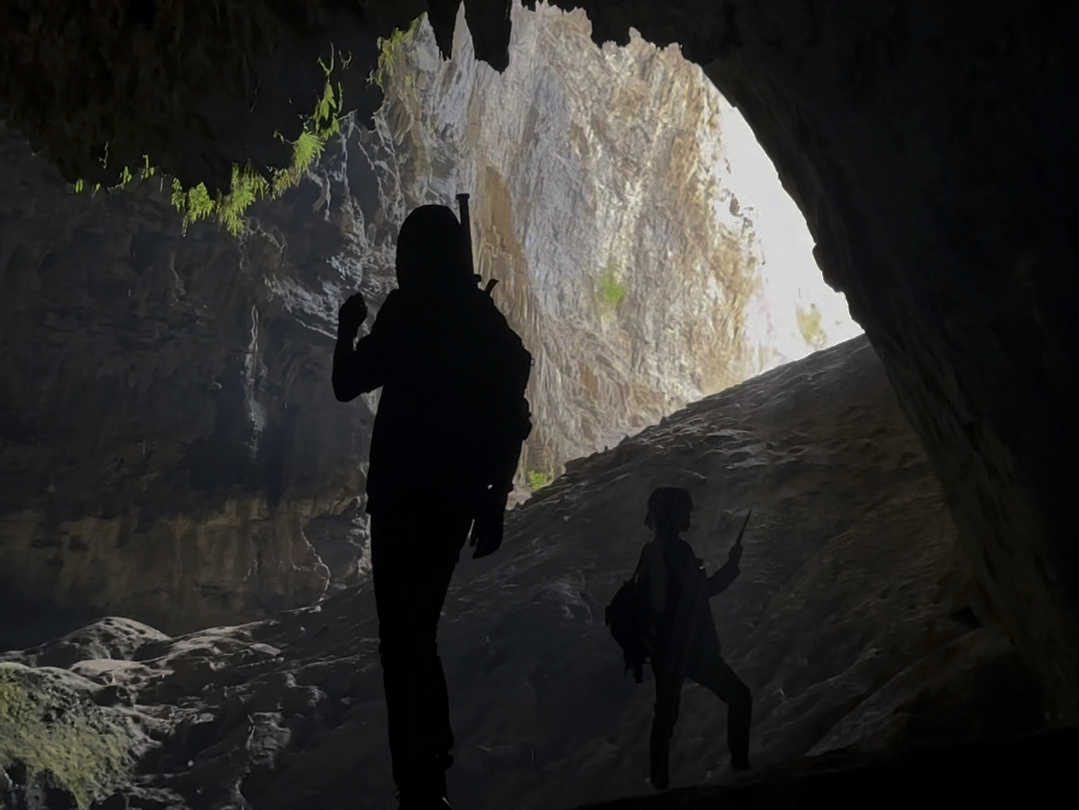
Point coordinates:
pixel 50 726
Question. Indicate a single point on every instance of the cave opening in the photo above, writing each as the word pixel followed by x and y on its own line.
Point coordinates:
pixel 648 253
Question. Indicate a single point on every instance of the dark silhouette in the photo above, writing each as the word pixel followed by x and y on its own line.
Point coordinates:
pixel 447 439
pixel 681 636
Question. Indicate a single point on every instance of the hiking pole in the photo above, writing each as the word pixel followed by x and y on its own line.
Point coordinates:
pixel 466 225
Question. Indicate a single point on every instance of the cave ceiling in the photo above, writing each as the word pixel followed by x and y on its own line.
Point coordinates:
pixel 930 146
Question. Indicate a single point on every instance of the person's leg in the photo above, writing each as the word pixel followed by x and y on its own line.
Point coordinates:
pixel 668 694
pixel 413 557
pixel 429 710
pixel 393 632
pixel 712 672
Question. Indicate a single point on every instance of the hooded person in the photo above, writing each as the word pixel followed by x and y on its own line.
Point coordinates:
pixel 681 639
pixel 449 366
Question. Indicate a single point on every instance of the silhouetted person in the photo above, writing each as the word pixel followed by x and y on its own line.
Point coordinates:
pixel 682 639
pixel 444 449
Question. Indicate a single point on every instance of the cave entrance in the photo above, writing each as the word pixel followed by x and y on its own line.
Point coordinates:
pixel 646 249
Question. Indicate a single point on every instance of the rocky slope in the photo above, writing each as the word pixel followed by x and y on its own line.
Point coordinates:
pixel 855 623
pixel 171 447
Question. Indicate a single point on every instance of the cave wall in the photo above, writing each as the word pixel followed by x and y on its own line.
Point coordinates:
pixel 931 147
pixel 167 426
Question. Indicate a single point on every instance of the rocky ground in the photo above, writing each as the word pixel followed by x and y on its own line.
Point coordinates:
pixel 855 623
pixel 1032 771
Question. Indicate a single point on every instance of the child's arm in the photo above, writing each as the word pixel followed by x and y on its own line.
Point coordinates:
pixel 722 579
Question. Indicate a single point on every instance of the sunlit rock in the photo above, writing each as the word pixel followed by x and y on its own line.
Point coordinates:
pixel 621 223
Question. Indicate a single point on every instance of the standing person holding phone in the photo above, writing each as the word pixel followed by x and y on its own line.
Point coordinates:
pixel 681 638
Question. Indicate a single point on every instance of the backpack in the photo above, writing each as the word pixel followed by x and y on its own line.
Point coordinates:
pixel 508 419
pixel 627 615
pixel 499 394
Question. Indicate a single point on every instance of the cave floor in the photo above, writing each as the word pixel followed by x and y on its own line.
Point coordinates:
pixel 1032 772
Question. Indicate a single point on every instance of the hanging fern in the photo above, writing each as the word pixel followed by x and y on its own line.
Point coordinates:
pixel 247 185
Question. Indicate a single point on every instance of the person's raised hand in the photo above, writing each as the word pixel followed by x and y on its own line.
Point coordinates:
pixel 352 315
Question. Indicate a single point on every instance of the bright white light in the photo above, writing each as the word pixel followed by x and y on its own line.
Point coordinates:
pixel 790 276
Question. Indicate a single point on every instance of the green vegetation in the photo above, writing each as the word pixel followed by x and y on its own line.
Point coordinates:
pixel 391 52
pixel 609 289
pixel 59 735
pixel 809 324
pixel 248 185
pixel 538 479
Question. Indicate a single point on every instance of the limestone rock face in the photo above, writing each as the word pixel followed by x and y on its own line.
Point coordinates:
pixel 601 201
pixel 851 623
